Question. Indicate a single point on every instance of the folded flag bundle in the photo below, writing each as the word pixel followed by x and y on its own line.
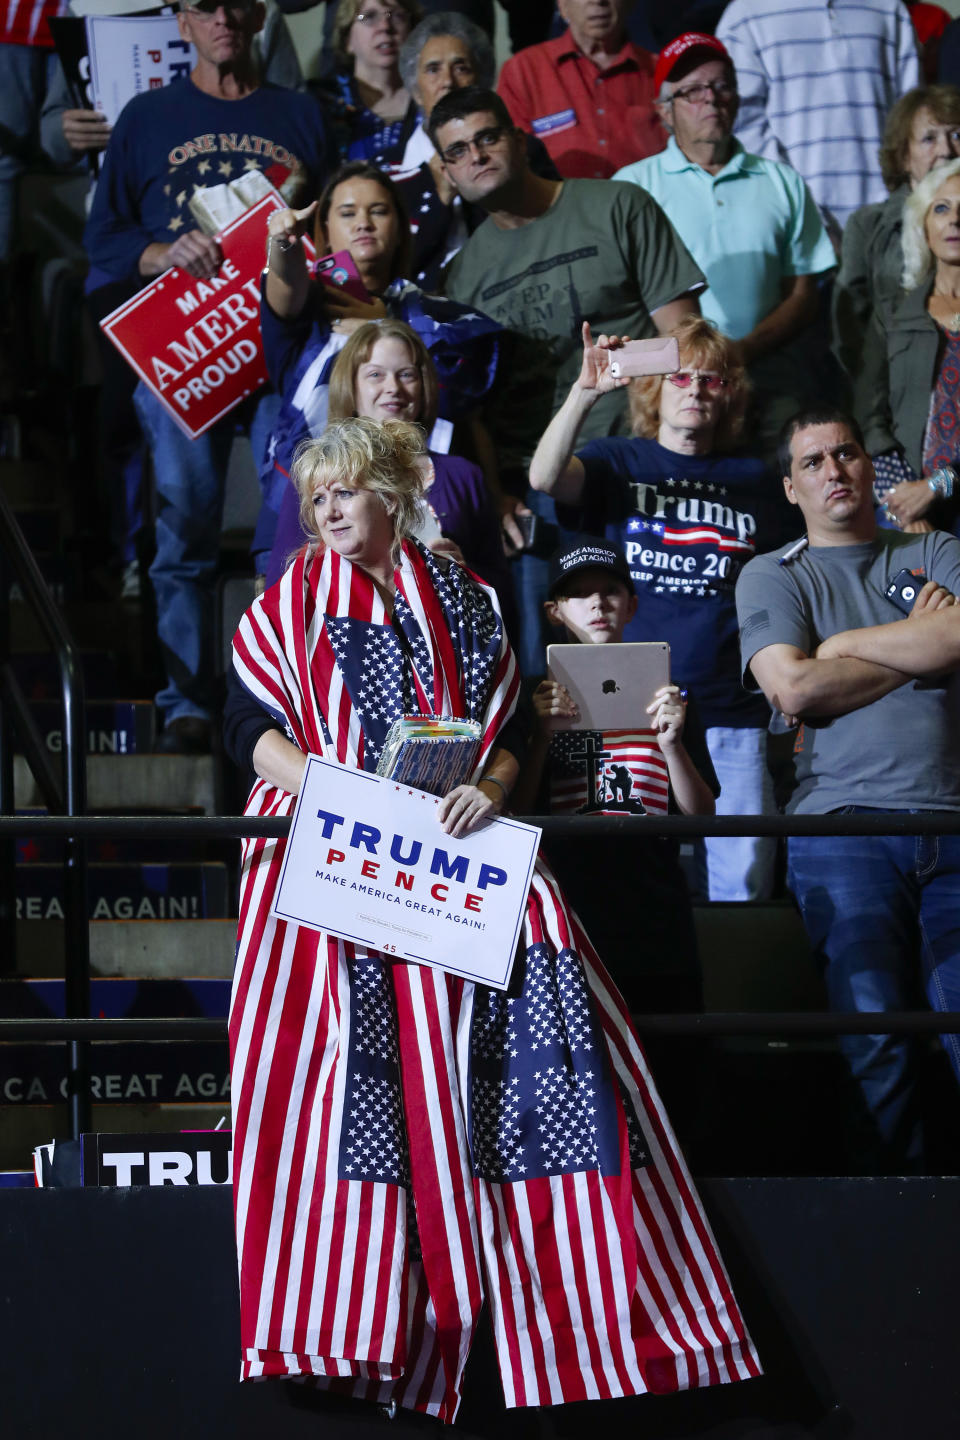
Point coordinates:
pixel 430 752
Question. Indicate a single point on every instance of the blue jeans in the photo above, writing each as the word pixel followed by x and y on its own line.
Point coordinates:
pixel 740 867
pixel 190 481
pixel 883 915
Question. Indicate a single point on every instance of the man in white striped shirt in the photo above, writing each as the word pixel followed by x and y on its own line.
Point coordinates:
pixel 817 78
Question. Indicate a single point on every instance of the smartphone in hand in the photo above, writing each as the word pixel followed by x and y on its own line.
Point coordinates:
pixel 660 356
pixel 904 589
pixel 339 272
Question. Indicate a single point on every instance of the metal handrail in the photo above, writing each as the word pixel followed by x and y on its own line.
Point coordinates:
pixel 81 1030
pixel 16 557
pixel 206 827
pixel 775 1023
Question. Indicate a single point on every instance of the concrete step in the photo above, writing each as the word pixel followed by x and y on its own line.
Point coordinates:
pixel 26 632
pixel 134 782
pixel 42 524
pixel 90 620
pixel 117 998
pixel 149 949
pixel 21 481
pixel 129 892
pixel 236 595
pixel 755 956
pixel 39 675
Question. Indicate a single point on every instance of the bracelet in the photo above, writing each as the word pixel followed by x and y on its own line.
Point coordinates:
pixel 492 780
pixel 282 242
pixel 941 481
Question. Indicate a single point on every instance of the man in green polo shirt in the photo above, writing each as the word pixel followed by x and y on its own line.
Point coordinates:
pixel 751 224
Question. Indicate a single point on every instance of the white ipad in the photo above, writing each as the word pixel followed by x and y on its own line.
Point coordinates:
pixel 611 685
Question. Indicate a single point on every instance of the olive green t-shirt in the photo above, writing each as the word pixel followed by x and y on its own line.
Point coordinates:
pixel 603 252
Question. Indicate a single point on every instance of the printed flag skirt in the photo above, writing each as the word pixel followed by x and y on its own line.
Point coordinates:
pixel 408 1145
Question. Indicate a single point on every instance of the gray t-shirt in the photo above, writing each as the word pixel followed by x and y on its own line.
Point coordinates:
pixel 901 752
pixel 603 252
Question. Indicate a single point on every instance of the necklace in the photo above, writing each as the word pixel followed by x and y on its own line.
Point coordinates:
pixel 952 321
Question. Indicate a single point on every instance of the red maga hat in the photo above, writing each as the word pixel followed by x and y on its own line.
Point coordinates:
pixel 691 40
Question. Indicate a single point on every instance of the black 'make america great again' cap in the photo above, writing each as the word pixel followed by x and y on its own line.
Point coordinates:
pixel 587 552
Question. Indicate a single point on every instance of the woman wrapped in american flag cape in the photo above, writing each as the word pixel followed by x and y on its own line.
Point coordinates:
pixel 408 1145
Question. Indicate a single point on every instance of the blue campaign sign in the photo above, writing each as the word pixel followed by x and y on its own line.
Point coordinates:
pixel 368 861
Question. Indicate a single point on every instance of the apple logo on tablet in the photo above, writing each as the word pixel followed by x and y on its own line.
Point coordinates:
pixel 610 687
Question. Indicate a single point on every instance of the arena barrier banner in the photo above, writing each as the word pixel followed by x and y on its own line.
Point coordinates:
pixel 367 861
pixel 196 343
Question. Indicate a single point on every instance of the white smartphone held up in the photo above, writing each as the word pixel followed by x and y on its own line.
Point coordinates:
pixel 660 356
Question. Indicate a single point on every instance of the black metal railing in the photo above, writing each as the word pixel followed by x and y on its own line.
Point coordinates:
pixel 66 793
pixel 79 1031
pixel 778 1024
pixel 207 827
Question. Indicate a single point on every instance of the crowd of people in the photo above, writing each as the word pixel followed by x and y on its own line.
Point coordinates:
pixel 449 448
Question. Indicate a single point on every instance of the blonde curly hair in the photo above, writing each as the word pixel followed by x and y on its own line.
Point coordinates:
pixel 918 260
pixel 362 454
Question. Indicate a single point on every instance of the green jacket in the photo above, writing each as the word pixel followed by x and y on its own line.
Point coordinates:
pixel 867 290
pixel 907 361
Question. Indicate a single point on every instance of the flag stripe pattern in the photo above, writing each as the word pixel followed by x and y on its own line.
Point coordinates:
pixel 408 1145
pixel 25 22
pixel 627 767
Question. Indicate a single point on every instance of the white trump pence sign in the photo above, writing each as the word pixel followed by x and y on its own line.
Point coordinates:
pixel 367 861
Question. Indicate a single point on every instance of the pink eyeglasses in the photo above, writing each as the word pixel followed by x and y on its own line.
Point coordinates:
pixel 709 379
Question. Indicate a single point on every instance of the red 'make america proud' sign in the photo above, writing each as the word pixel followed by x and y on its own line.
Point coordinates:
pixel 196 343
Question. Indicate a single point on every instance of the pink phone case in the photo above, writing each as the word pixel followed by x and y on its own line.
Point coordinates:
pixel 339 272
pixel 660 356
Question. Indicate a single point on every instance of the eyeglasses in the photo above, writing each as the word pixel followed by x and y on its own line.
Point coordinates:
pixel 483 140
pixel 397 18
pixel 720 90
pixel 709 379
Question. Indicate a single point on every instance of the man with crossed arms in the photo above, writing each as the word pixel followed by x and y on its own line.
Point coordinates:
pixel 877 698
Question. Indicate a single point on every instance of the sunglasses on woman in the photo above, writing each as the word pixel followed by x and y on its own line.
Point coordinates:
pixel 710 380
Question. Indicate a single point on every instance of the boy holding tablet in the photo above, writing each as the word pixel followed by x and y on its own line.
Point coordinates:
pixel 591 596
pixel 630 894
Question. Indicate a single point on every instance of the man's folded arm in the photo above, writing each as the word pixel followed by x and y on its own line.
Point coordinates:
pixel 804 685
pixel 924 644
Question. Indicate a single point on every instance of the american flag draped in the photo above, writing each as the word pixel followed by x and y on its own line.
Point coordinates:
pixel 406 1144
pixel 609 772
